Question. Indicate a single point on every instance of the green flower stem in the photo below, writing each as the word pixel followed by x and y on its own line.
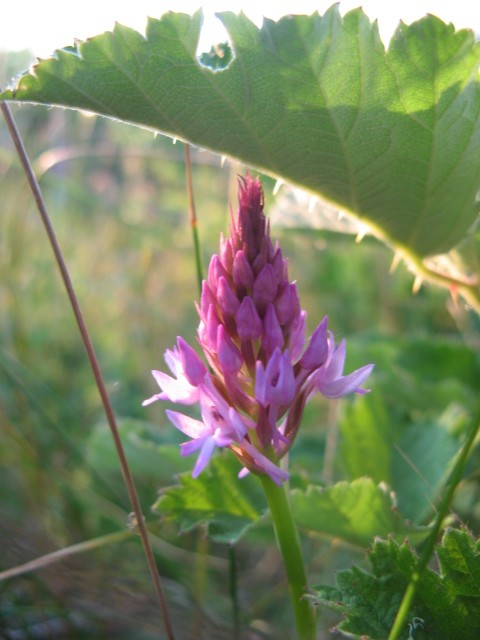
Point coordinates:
pixel 289 544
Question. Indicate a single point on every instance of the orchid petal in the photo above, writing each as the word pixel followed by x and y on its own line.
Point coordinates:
pixel 337 362
pixel 204 457
pixel 260 384
pixel 346 384
pixel 157 396
pixel 179 390
pixel 237 424
pixel 221 439
pixel 189 426
pixel 276 474
pixel 187 448
pixel 172 358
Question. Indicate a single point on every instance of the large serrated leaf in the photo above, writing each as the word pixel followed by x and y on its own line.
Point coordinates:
pixel 393 137
pixel 217 498
pixel 446 606
pixel 355 512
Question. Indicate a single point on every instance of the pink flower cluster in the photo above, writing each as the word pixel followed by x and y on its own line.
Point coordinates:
pixel 262 368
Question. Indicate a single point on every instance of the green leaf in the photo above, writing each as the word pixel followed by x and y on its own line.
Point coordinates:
pixel 393 137
pixel 366 439
pixel 446 605
pixel 460 562
pixel 421 463
pixel 414 459
pixel 153 460
pixel 141 440
pixel 421 374
pixel 355 512
pixel 217 498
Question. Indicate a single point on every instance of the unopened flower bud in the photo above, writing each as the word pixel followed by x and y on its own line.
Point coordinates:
pixel 242 271
pixel 226 297
pixel 265 287
pixel 194 369
pixel 215 271
pixel 272 332
pixel 249 325
pixel 317 351
pixel 287 304
pixel 228 354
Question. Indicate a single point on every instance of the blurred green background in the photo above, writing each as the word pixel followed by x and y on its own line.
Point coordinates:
pixel 118 201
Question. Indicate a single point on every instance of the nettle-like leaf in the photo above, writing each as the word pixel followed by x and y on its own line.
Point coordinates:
pixel 217 498
pixel 446 605
pixel 355 512
pixel 392 136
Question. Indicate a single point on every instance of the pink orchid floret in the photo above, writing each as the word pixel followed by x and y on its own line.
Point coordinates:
pixel 262 370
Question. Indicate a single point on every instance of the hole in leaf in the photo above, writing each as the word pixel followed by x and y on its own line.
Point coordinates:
pixel 214 49
pixel 218 58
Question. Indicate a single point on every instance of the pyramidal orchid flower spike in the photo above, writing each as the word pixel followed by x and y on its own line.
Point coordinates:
pixel 262 368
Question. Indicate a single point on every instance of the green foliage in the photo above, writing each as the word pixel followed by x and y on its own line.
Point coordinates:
pixel 423 460
pixel 153 460
pixel 408 432
pixel 355 512
pixel 393 136
pixel 446 606
pixel 414 459
pixel 217 498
